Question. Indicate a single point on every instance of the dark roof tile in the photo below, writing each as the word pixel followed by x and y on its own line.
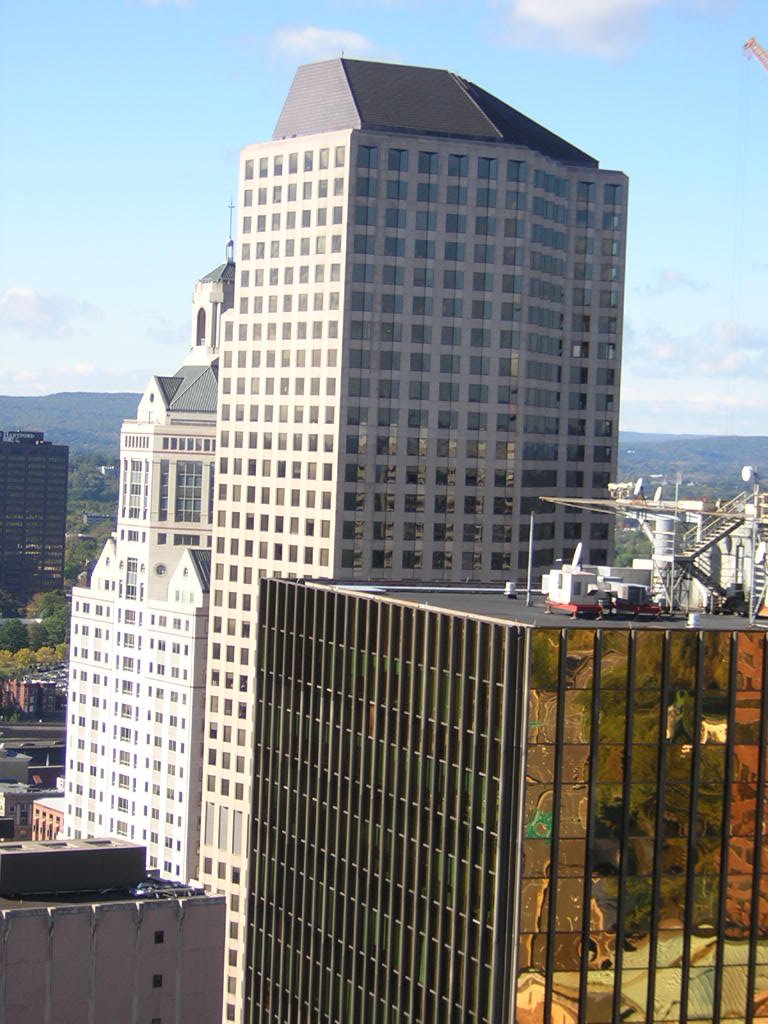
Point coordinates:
pixel 344 93
pixel 224 273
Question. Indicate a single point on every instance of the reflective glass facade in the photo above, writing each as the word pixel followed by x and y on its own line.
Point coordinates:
pixel 643 833
pixel 464 819
pixel 33 514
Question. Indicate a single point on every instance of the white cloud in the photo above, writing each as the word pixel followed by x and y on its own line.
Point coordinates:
pixel 29 312
pixel 722 349
pixel 79 369
pixel 604 28
pixel 166 333
pixel 711 381
pixel 673 280
pixel 308 42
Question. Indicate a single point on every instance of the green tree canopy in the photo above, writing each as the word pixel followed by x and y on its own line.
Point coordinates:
pixel 13 635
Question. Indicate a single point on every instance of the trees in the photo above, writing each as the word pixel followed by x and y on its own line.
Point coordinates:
pixel 9 606
pixel 631 544
pixel 53 611
pixel 23 661
pixel 13 635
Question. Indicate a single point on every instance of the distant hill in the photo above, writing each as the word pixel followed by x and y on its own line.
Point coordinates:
pixel 709 466
pixel 81 419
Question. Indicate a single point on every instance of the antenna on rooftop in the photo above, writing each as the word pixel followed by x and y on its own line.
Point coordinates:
pixel 230 243
pixel 576 560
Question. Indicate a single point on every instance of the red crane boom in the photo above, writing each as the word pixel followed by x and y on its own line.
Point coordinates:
pixel 752 46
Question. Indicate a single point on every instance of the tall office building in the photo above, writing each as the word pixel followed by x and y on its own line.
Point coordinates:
pixel 463 816
pixel 140 627
pixel 33 513
pixel 427 337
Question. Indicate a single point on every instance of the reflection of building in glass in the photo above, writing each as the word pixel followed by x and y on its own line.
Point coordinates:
pixel 464 818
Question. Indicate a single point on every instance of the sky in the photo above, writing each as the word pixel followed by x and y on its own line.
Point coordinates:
pixel 121 123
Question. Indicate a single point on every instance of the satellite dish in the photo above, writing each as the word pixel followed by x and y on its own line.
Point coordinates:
pixel 657 496
pixel 638 487
pixel 576 560
pixel 748 474
pixel 760 552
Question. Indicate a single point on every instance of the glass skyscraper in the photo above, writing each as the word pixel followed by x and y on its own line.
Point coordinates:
pixel 462 817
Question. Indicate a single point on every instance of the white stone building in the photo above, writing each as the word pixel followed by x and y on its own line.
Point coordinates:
pixel 139 628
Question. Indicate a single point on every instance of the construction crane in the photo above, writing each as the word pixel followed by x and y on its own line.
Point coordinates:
pixel 752 46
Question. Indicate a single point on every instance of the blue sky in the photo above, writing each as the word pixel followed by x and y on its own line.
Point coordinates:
pixel 121 122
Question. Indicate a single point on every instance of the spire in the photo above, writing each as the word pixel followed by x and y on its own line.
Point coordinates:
pixel 230 249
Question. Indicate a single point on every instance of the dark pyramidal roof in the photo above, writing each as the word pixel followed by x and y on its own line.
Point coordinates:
pixel 342 93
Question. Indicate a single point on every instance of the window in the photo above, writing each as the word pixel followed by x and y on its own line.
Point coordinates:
pixel 612 195
pixel 398 160
pixel 159 937
pixel 189 491
pixel 486 168
pixel 394 246
pixel 131 579
pixel 157 981
pixel 135 490
pixel 397 188
pixel 366 186
pixel 516 170
pixel 458 166
pixel 395 218
pixel 428 163
pixel 455 223
pixel 368 156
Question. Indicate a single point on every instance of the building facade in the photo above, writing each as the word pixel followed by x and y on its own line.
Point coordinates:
pixel 18 801
pixel 33 514
pixel 427 337
pixel 48 817
pixel 139 629
pixel 81 944
pixel 461 817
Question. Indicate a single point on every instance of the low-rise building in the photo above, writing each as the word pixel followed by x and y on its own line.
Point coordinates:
pixel 48 817
pixel 39 698
pixel 17 801
pixel 84 937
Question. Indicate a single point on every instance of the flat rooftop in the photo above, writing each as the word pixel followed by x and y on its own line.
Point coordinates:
pixel 490 603
pixel 63 872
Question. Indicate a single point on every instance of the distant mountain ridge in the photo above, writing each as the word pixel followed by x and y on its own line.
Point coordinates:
pixel 90 420
pixel 708 466
pixel 81 419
